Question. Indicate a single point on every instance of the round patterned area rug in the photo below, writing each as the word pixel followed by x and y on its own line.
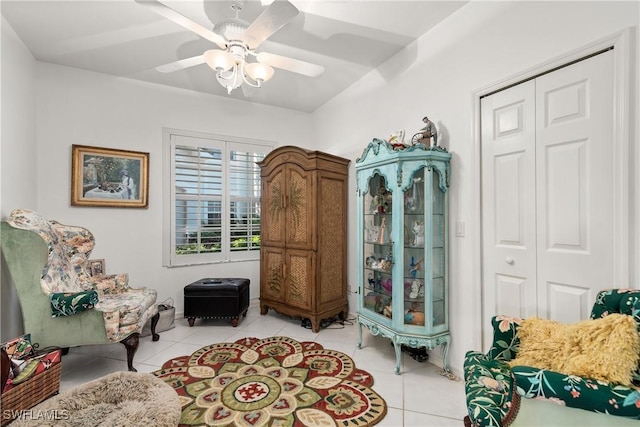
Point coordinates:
pixel 275 381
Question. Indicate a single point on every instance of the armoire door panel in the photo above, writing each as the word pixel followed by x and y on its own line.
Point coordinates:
pixel 300 207
pixel 273 204
pixel 272 262
pixel 299 277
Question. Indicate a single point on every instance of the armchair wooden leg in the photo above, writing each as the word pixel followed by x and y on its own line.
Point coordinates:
pixel 131 343
pixel 154 322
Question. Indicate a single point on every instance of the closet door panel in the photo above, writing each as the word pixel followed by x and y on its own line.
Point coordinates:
pixel 574 185
pixel 508 203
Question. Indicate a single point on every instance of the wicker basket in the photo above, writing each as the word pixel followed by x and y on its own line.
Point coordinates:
pixel 29 393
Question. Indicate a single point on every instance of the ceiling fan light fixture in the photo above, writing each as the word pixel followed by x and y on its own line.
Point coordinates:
pixel 238 40
pixel 259 72
pixel 219 60
pixel 231 81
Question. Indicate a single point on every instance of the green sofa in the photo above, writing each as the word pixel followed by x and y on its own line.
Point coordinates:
pixel 494 389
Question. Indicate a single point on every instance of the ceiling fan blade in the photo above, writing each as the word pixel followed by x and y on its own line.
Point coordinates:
pixel 181 64
pixel 289 64
pixel 183 21
pixel 271 20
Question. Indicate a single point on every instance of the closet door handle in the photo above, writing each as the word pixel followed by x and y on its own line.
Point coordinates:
pixel 509 260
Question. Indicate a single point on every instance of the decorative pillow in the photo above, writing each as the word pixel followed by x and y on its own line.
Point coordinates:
pixel 605 349
pixel 67 304
pixel 37 365
pixel 19 347
pixel 18 351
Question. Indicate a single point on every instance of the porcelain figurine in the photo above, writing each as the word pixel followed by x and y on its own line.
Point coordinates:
pixel 418 234
pixel 416 287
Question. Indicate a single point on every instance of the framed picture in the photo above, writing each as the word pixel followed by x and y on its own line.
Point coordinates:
pixel 96 267
pixel 108 177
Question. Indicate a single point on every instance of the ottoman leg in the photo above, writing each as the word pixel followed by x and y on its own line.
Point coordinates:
pixel 234 321
pixel 191 320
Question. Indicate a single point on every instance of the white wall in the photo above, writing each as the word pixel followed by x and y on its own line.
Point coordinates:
pixel 79 107
pixel 478 46
pixel 17 153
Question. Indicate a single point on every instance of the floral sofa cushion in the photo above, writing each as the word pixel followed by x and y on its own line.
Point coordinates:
pixel 565 390
pixel 125 309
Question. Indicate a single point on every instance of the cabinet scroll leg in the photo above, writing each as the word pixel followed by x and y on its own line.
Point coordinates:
pixel 446 371
pixel 359 334
pixel 398 349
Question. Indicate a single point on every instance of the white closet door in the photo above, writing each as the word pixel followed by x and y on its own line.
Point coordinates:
pixel 574 185
pixel 547 180
pixel 508 203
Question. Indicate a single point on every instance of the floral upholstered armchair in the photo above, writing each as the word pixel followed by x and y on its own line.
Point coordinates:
pixel 62 305
pixel 494 383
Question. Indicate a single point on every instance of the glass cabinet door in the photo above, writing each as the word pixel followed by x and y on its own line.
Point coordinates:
pixel 414 251
pixel 378 215
pixel 424 239
pixel 438 247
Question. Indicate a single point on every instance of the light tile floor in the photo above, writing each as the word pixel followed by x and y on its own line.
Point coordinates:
pixel 420 396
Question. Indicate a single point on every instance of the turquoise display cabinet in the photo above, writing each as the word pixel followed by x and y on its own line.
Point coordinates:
pixel 402 246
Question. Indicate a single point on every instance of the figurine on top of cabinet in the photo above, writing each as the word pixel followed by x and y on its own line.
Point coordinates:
pixel 396 140
pixel 426 133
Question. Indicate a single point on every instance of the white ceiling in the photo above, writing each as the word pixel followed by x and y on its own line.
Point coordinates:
pixel 124 38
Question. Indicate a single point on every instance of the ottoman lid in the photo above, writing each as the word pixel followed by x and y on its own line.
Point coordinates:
pixel 212 286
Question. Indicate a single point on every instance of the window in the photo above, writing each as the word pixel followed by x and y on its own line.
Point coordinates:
pixel 214 209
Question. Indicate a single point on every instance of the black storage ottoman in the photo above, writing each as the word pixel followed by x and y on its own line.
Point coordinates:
pixel 216 298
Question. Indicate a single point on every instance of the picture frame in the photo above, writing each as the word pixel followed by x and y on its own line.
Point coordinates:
pixel 96 267
pixel 107 177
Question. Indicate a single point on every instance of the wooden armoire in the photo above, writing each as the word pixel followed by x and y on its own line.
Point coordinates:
pixel 303 250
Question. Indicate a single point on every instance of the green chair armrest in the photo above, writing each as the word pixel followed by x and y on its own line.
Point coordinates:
pixel 490 391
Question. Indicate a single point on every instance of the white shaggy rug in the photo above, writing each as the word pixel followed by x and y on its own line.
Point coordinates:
pixel 118 399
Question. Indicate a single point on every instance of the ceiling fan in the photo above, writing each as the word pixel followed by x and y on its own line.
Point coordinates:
pixel 237 41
